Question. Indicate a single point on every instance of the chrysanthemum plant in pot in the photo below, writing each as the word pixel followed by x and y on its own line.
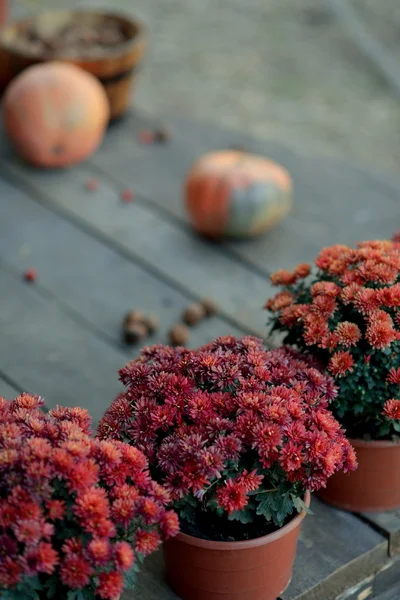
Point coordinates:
pixel 239 436
pixel 77 514
pixel 346 315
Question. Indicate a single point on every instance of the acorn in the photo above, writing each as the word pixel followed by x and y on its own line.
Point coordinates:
pixel 162 135
pixel 178 335
pixel 210 307
pixel 133 316
pixel 193 314
pixel 151 323
pixel 134 332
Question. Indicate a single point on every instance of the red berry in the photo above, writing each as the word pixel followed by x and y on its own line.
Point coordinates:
pixel 146 137
pixel 127 195
pixel 92 185
pixel 30 275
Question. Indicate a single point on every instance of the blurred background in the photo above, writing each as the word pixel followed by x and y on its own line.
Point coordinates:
pixel 289 70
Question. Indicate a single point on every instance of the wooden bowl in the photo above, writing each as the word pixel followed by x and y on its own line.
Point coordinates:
pixel 115 66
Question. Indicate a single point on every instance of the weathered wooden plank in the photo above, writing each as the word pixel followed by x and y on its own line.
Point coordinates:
pixel 388 578
pixel 334 202
pixel 48 353
pixel 335 551
pixel 388 523
pixel 191 264
pixel 392 594
pixel 7 390
pixel 151 584
pixel 87 277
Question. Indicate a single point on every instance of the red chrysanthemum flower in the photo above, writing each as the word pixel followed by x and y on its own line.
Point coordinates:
pixel 292 314
pixel 280 301
pixel 291 457
pixel 124 556
pixel 47 558
pixel 325 288
pixel 302 271
pixel 380 331
pixel 10 572
pixel 367 300
pixel 363 285
pixel 341 363
pixel 146 542
pixel 99 550
pixel 75 572
pixel 250 481
pixel 348 334
pixel 391 409
pixel 55 509
pixel 57 478
pixel 169 524
pixel 394 376
pixel 283 277
pixel 238 417
pixel 232 496
pixel 110 585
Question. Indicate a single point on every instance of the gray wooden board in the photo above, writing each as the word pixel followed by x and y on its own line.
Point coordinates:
pixel 392 594
pixel 47 353
pixel 388 578
pixel 335 551
pixel 334 202
pixel 389 524
pixel 87 277
pixel 7 390
pixel 176 255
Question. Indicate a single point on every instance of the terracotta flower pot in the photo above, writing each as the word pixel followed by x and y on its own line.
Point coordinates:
pixel 3 11
pixel 374 487
pixel 258 569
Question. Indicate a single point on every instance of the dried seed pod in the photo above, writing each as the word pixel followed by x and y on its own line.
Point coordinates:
pixel 210 306
pixel 127 195
pixel 92 185
pixel 134 332
pixel 151 323
pixel 162 135
pixel 193 314
pixel 134 316
pixel 179 335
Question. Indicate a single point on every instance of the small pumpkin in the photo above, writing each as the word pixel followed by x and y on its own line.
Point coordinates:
pixel 235 194
pixel 56 114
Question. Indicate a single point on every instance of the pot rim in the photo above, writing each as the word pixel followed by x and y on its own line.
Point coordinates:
pixel 245 544
pixel 118 51
pixel 358 443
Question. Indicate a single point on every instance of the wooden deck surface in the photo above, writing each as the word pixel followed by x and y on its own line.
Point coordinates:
pixel 97 257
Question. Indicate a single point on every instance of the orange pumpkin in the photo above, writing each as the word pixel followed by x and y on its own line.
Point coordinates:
pixel 235 194
pixel 55 114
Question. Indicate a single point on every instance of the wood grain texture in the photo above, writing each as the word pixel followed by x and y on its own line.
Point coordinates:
pixel 48 353
pixel 335 551
pixel 7 390
pixel 91 281
pixel 388 523
pixel 192 265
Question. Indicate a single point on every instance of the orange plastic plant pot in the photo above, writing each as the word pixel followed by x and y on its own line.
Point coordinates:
pixel 374 486
pixel 258 569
